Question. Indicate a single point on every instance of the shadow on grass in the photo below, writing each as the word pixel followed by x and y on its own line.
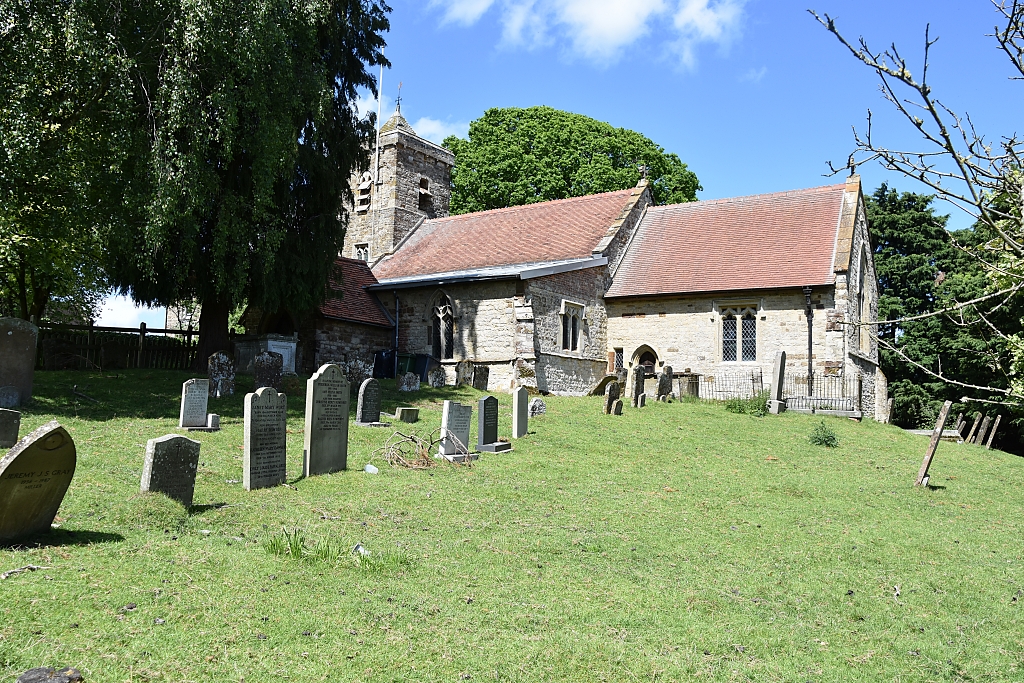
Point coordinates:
pixel 200 509
pixel 66 537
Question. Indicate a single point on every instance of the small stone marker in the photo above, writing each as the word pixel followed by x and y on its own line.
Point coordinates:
pixel 538 407
pixel 638 385
pixel 410 381
pixel 436 377
pixel 617 407
pixel 665 383
pixel 481 373
pixel 487 427
pixel 10 397
pixel 407 414
pixel 10 423
pixel 642 402
pixel 610 397
pixel 455 420
pixel 325 441
pixel 34 476
pixel 368 407
pixel 213 422
pixel 17 358
pixel 992 434
pixel 775 403
pixel 195 393
pixel 267 369
pixel 220 368
pixel 170 467
pixel 266 438
pixel 980 438
pixel 974 429
pixel 520 412
pixel 922 475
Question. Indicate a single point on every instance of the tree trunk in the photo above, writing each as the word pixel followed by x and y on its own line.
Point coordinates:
pixel 213 332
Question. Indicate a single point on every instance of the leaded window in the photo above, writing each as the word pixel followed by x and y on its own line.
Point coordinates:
pixel 729 338
pixel 739 335
pixel 749 340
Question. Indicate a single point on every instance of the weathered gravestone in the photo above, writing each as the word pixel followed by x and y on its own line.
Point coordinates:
pixel 481 373
pixel 267 369
pixel 266 417
pixel 922 475
pixel 538 407
pixel 665 383
pixel 610 397
pixel 980 438
pixel 642 402
pixel 992 434
pixel 10 423
pixel 34 476
pixel 410 381
pixel 195 394
pixel 436 377
pixel 974 428
pixel 368 407
pixel 638 385
pixel 775 403
pixel 464 373
pixel 407 414
pixel 487 427
pixel 220 368
pixel 17 358
pixel 325 443
pixel 170 467
pixel 455 421
pixel 10 397
pixel 520 412
pixel 617 407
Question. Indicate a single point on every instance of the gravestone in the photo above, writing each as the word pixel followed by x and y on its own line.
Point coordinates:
pixel 922 475
pixel 638 385
pixel 170 467
pixel 195 393
pixel 775 403
pixel 267 369
pixel 34 476
pixel 266 438
pixel 113 356
pixel 665 383
pixel 10 423
pixel 487 427
pixel 455 420
pixel 436 377
pixel 617 407
pixel 992 434
pixel 974 428
pixel 325 441
pixel 220 368
pixel 410 381
pixel 481 373
pixel 212 422
pixel 611 396
pixel 407 414
pixel 464 373
pixel 538 406
pixel 10 397
pixel 642 402
pixel 520 412
pixel 368 407
pixel 17 357
pixel 980 438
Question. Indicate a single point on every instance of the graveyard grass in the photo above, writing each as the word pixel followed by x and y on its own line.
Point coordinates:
pixel 677 542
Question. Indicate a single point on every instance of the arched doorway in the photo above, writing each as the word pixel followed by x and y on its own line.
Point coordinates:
pixel 647 357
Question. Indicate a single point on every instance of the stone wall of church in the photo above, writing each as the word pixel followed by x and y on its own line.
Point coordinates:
pixel 338 341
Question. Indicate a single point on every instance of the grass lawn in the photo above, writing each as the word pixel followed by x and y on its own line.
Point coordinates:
pixel 677 542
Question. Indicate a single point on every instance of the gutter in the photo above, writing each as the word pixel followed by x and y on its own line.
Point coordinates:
pixel 482 275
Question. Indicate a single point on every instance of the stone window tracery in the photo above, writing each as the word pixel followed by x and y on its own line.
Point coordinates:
pixel 363 252
pixel 739 335
pixel 572 322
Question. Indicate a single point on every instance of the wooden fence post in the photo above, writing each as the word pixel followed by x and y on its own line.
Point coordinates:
pixel 922 475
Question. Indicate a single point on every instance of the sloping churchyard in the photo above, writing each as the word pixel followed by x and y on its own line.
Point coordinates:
pixel 677 541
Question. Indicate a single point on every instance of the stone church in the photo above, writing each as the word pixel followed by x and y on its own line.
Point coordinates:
pixel 556 295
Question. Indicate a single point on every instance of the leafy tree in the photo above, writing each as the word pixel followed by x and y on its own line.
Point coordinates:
pixel 252 135
pixel 520 156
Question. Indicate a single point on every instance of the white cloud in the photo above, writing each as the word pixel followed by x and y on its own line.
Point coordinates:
pixel 120 311
pixel 436 131
pixel 754 75
pixel 599 30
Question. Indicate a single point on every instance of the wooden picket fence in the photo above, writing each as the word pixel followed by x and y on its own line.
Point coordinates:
pixel 88 347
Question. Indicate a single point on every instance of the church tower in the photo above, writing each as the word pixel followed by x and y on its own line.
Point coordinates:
pixel 410 183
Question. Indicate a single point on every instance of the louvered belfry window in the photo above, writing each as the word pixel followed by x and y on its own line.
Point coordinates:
pixel 443 333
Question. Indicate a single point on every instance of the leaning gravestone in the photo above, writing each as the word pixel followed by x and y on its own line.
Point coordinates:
pixel 665 383
pixel 610 397
pixel 325 444
pixel 195 393
pixel 455 420
pixel 617 407
pixel 17 358
pixel 34 476
pixel 170 467
pixel 980 438
pixel 266 437
pixel 10 423
pixel 410 381
pixel 775 404
pixel 520 412
pixel 220 368
pixel 538 407
pixel 638 385
pixel 267 369
pixel 368 407
pixel 487 427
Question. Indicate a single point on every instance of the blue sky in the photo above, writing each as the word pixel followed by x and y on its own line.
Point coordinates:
pixel 755 96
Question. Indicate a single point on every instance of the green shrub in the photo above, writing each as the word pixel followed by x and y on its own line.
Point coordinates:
pixel 823 435
pixel 758 405
pixel 736 405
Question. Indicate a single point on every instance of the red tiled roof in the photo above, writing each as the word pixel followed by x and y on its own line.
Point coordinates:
pixel 535 233
pixel 355 304
pixel 786 239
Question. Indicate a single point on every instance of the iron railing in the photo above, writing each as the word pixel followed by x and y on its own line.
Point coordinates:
pixel 822 392
pixel 722 386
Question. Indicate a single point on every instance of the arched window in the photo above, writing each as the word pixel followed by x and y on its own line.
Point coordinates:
pixel 739 335
pixel 863 307
pixel 442 329
pixel 572 317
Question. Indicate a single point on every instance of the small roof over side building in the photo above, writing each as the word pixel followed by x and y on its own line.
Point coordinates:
pixel 355 304
pixel 767 241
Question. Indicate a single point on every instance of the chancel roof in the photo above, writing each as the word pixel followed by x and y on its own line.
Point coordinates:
pixel 355 303
pixel 559 230
pixel 781 240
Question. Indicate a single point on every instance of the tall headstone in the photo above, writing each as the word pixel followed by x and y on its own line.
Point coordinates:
pixel 481 373
pixel 220 368
pixel 266 438
pixel 775 403
pixel 520 412
pixel 487 427
pixel 325 444
pixel 267 369
pixel 992 434
pixel 610 397
pixel 980 438
pixel 368 407
pixel 665 383
pixel 10 423
pixel 170 467
pixel 17 358
pixel 455 421
pixel 922 475
pixel 195 395
pixel 637 390
pixel 34 476
pixel 974 429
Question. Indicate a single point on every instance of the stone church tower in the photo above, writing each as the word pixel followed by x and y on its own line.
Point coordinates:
pixel 413 183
